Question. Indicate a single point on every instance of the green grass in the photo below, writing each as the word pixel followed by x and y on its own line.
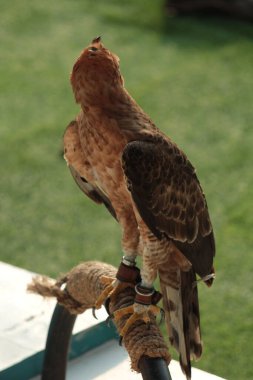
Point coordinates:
pixel 195 78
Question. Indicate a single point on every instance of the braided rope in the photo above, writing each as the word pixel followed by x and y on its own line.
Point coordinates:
pixel 81 289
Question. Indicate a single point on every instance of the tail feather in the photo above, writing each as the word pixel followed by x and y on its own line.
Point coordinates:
pixel 180 302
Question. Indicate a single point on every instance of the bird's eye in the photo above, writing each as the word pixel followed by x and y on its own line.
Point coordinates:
pixel 93 48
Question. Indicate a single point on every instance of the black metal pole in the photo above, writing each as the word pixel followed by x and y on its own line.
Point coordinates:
pixel 154 369
pixel 57 347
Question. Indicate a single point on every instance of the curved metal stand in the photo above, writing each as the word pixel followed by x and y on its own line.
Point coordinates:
pixel 57 347
pixel 154 369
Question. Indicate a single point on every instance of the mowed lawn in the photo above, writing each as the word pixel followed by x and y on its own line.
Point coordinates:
pixel 194 76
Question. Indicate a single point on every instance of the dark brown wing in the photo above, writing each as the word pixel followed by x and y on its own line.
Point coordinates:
pixel 169 198
pixel 80 167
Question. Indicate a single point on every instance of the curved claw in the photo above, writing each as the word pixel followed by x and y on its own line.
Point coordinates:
pixel 108 320
pixel 120 340
pixel 94 312
pixel 162 314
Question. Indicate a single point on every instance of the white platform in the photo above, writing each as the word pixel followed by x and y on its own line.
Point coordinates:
pixel 23 330
pixel 114 364
pixel 25 317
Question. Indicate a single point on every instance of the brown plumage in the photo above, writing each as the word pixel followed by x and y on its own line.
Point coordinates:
pixel 119 158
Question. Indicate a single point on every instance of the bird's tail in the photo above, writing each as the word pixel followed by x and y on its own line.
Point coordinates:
pixel 181 306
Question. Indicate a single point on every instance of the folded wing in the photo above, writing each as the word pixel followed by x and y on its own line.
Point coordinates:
pixel 169 198
pixel 80 168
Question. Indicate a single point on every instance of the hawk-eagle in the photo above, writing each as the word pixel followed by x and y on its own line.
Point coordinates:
pixel 119 158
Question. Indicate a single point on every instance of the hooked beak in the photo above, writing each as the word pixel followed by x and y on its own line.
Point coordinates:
pixel 96 40
pixel 96 43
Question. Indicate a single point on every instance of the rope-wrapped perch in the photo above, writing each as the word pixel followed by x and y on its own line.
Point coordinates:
pixel 82 289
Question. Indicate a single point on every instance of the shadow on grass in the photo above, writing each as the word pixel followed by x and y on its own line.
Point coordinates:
pixel 205 31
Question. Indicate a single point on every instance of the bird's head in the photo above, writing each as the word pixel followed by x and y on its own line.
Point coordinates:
pixel 95 74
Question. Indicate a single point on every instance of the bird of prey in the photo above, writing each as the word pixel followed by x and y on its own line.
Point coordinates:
pixel 119 158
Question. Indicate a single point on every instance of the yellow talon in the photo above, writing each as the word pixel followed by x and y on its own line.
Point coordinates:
pixel 112 288
pixel 154 309
pixel 109 288
pixel 134 317
pixel 118 314
pixel 105 280
pixel 139 312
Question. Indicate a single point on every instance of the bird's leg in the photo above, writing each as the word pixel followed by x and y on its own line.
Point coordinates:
pixel 127 275
pixel 144 306
pixel 146 298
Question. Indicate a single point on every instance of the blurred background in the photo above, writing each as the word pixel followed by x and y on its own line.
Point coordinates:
pixel 194 76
